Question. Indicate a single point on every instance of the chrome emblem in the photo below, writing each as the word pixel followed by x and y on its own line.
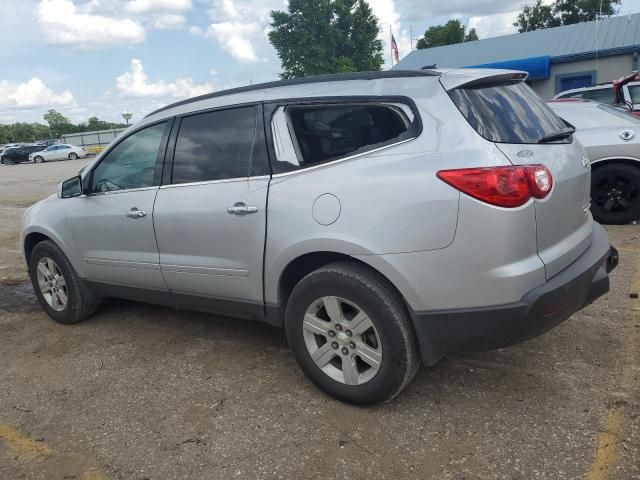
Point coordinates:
pixel 525 153
pixel 627 135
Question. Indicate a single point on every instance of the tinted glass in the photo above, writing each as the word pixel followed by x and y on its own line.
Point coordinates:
pixel 328 132
pixel 506 113
pixel 634 92
pixel 602 95
pixel 131 163
pixel 215 145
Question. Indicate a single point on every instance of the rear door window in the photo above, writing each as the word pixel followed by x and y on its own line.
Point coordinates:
pixel 216 145
pixel 323 133
pixel 506 112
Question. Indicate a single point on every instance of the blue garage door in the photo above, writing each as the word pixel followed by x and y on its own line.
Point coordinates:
pixel 568 83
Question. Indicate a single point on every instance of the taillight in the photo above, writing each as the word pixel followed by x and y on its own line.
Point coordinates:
pixel 508 187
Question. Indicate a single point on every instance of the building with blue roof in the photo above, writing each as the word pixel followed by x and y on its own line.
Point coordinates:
pixel 557 59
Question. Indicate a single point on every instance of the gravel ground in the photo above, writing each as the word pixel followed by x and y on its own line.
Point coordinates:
pixel 143 392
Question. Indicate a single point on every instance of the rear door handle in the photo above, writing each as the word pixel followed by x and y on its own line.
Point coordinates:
pixel 135 213
pixel 242 209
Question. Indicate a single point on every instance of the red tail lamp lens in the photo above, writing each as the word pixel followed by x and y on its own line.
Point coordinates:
pixel 507 187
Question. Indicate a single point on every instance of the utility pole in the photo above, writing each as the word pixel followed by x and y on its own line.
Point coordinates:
pixel 411 36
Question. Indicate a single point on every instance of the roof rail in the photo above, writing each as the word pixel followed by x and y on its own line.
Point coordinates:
pixel 335 77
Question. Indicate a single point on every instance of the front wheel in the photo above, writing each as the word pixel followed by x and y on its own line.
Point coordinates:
pixel 73 156
pixel 57 285
pixel 38 159
pixel 351 334
pixel 615 193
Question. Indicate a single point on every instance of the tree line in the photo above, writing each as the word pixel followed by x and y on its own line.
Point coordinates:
pixel 315 37
pixel 56 126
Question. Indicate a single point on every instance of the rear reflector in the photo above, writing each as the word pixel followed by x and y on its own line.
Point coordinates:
pixel 507 187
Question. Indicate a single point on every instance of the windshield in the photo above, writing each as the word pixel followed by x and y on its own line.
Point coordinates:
pixel 507 112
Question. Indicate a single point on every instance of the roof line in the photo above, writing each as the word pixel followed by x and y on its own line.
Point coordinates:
pixel 335 77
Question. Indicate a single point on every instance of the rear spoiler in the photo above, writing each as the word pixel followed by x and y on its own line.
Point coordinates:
pixel 468 77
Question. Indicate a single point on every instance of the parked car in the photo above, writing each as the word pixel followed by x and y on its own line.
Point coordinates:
pixel 624 92
pixel 61 151
pixel 6 147
pixel 20 154
pixel 609 136
pixel 449 225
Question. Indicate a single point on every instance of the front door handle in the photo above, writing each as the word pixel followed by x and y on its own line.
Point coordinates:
pixel 135 213
pixel 242 209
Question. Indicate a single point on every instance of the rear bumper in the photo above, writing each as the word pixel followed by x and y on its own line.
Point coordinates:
pixel 487 328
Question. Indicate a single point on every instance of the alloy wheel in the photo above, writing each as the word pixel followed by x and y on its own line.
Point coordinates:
pixel 52 284
pixel 615 193
pixel 342 340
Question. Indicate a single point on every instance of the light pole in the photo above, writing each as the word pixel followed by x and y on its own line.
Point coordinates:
pixel 126 114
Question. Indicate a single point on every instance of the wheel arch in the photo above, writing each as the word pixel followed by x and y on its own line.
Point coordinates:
pixel 306 263
pixel 601 162
pixel 30 241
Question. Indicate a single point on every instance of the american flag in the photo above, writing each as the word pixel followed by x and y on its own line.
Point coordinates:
pixel 394 49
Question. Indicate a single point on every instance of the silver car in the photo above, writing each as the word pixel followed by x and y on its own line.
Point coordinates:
pixel 611 138
pixel 382 219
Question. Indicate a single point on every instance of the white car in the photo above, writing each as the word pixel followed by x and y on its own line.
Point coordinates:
pixel 611 138
pixel 61 151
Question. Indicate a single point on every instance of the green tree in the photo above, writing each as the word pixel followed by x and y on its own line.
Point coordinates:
pixel 447 34
pixel 326 36
pixel 563 12
pixel 58 123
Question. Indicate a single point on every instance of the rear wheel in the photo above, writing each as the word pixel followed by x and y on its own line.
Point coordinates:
pixel 73 156
pixel 351 334
pixel 57 285
pixel 615 193
pixel 38 159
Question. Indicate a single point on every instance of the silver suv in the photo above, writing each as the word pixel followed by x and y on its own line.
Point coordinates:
pixel 382 219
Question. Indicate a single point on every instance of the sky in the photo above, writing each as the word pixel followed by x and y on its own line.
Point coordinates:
pixel 89 58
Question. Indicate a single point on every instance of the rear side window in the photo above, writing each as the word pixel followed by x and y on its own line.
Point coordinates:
pixel 215 145
pixel 506 112
pixel 322 133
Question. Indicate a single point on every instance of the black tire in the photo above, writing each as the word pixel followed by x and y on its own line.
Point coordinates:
pixel 73 156
pixel 78 306
pixel 373 294
pixel 615 193
pixel 38 159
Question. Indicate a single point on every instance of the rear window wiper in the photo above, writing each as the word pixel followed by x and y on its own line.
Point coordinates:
pixel 558 135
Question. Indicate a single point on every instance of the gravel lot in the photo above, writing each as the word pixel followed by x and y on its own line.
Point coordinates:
pixel 142 392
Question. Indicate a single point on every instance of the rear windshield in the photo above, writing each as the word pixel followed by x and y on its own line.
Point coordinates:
pixel 506 113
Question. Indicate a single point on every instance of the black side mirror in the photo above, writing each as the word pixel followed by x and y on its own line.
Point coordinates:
pixel 70 188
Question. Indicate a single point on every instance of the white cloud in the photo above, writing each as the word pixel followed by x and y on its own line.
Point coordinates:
pixel 239 27
pixel 236 38
pixel 149 6
pixel 169 21
pixel 388 16
pixel 61 24
pixel 494 25
pixel 135 83
pixel 32 93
